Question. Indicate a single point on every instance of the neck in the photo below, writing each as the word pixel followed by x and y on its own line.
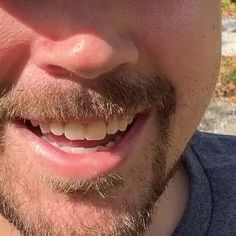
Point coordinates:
pixel 171 206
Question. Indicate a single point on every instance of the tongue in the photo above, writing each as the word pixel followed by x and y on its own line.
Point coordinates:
pixel 64 142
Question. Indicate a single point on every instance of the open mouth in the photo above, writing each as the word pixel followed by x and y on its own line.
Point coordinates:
pixel 82 149
pixel 79 138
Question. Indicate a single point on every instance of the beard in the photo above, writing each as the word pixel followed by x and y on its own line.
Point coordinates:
pixel 39 203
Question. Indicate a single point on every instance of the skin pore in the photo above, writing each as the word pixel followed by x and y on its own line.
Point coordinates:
pixel 68 59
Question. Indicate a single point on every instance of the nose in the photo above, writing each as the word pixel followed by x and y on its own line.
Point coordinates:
pixel 86 55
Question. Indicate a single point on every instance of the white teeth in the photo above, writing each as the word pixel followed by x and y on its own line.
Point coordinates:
pixel 123 125
pixel 34 123
pixel 66 149
pixel 79 150
pixel 45 129
pixel 110 145
pixel 90 150
pixel 130 120
pixel 96 130
pixel 113 127
pixel 57 128
pixel 75 131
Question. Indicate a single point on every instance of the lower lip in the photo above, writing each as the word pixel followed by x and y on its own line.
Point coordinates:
pixel 87 165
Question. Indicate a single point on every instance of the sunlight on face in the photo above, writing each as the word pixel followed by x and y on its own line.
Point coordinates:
pixel 99 100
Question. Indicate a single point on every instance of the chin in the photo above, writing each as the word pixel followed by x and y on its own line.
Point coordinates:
pixel 41 200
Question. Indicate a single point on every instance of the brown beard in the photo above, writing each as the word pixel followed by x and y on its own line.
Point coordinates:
pixel 117 94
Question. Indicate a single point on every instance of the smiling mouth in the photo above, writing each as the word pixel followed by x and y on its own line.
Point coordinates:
pixel 81 137
pixel 82 149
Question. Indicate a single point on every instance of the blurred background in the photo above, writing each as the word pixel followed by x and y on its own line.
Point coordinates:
pixel 221 114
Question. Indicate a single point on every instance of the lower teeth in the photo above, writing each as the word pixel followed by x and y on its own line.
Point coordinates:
pixel 81 150
pixel 78 150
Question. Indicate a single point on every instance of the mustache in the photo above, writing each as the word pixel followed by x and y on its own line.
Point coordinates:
pixel 117 94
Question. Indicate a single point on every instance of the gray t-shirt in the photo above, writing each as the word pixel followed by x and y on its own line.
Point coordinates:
pixel 211 163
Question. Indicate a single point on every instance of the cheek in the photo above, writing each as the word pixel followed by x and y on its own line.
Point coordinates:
pixel 184 47
pixel 14 45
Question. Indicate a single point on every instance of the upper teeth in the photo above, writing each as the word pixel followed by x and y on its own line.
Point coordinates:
pixel 74 130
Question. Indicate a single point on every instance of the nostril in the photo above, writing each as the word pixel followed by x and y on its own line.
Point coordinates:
pixel 94 56
pixel 57 71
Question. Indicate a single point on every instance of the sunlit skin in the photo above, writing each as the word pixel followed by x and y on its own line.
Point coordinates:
pixel 83 40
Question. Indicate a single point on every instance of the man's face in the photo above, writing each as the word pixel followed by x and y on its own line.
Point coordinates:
pixel 83 70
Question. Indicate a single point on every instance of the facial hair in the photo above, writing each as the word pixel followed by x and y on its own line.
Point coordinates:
pixel 117 94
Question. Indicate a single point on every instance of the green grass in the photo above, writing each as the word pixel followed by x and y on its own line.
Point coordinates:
pixel 228 69
pixel 232 76
pixel 227 62
pixel 228 5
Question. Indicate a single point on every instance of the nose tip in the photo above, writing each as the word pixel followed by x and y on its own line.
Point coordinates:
pixel 87 56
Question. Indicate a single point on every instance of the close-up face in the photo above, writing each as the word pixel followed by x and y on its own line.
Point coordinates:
pixel 99 99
